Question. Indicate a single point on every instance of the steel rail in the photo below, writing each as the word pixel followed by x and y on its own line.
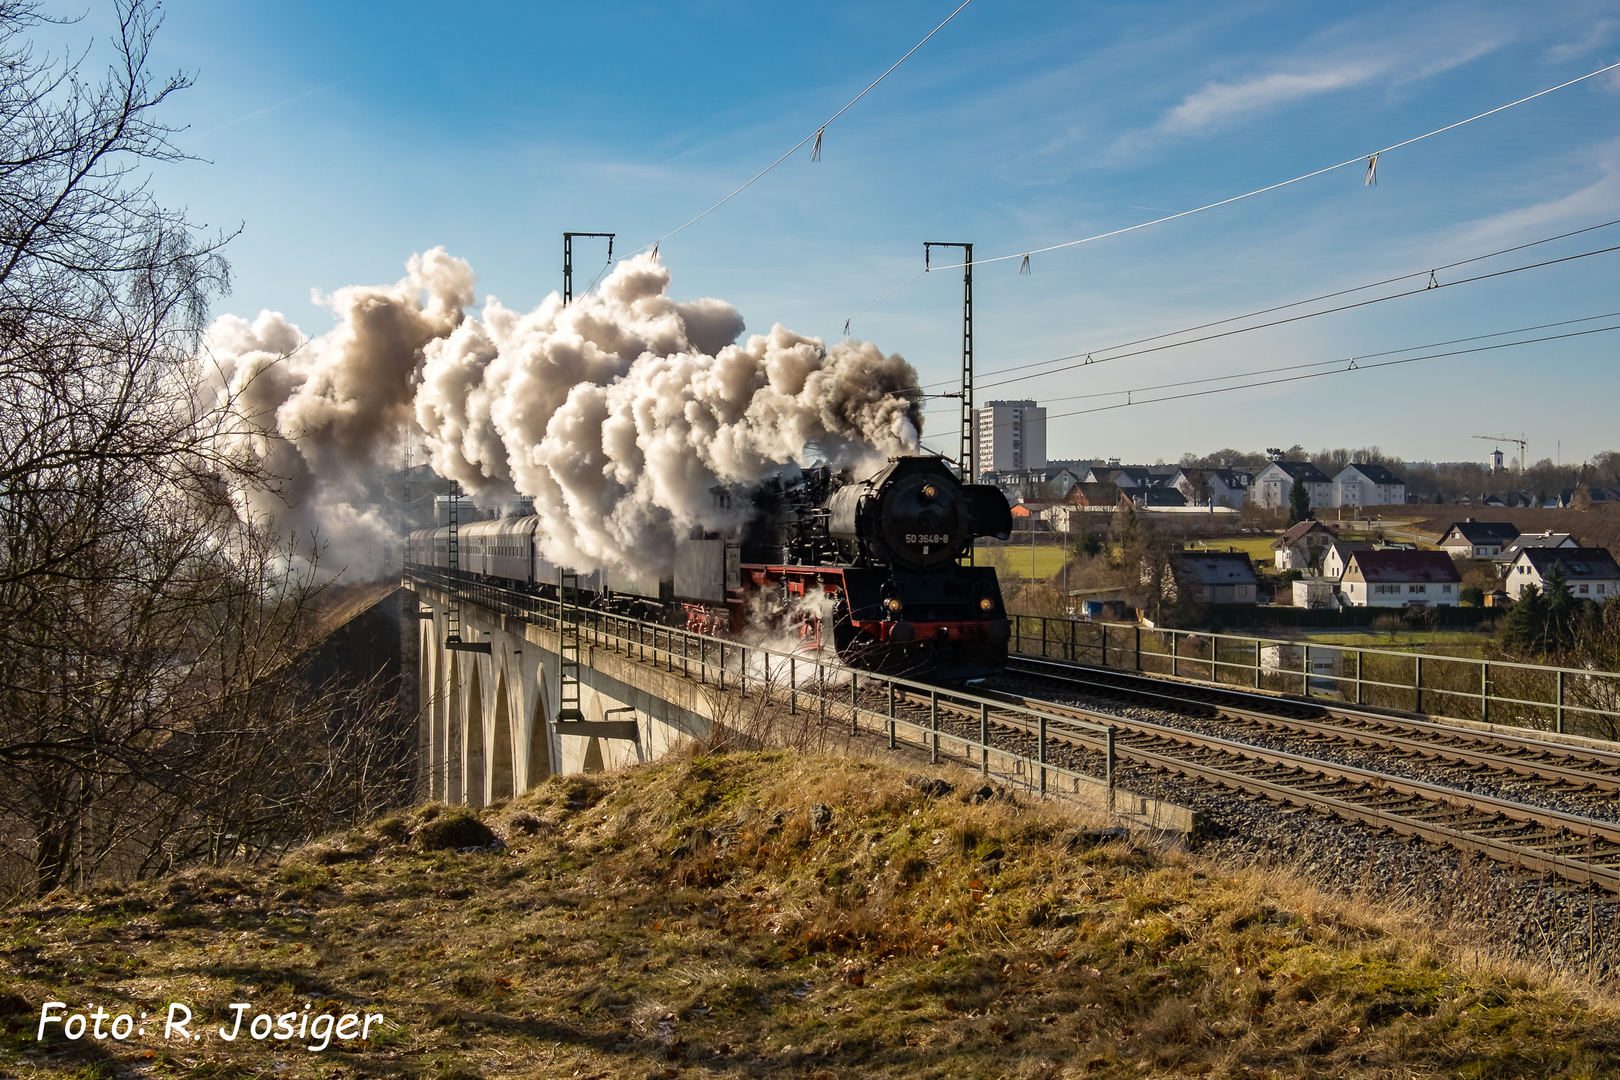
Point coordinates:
pixel 1434 801
pixel 1481 803
pixel 1500 850
pixel 1365 733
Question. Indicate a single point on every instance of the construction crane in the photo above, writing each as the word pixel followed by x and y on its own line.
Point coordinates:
pixel 1519 440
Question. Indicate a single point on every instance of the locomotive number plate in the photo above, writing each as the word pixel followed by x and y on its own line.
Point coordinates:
pixel 928 538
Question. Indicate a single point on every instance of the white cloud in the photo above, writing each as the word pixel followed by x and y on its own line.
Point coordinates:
pixel 1600 34
pixel 1595 201
pixel 1394 58
pixel 1218 102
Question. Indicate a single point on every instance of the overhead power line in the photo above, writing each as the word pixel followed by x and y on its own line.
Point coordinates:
pixel 1357 160
pixel 1096 352
pixel 1342 366
pixel 1311 315
pixel 1357 360
pixel 1370 159
pixel 816 134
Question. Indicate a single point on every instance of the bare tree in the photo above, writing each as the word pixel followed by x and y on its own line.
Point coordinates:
pixel 152 708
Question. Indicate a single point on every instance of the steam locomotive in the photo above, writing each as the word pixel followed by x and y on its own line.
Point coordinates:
pixel 870 567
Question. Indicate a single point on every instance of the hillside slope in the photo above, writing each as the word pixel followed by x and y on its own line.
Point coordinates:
pixel 766 915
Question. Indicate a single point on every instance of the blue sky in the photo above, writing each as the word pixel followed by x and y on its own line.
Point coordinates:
pixel 342 138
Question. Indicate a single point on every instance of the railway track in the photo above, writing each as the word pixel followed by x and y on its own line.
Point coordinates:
pixel 1576 848
pixel 1478 752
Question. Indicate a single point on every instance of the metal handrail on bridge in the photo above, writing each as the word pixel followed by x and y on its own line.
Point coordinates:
pixel 714 660
pixel 1516 694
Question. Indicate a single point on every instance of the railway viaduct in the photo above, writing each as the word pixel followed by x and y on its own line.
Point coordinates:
pixel 488 726
pixel 500 707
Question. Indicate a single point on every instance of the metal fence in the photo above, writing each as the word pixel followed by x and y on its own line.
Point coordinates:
pixel 1542 698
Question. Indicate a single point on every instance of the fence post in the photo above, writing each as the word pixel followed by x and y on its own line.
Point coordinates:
pixel 1041 755
pixel 1072 625
pixel 854 704
pixel 1360 659
pixel 1018 633
pixel 721 675
pixel 933 723
pixel 1257 650
pixel 742 673
pixel 1138 646
pixel 793 686
pixel 1104 644
pixel 1044 621
pixel 1485 693
pixel 1417 683
pixel 1560 701
pixel 984 739
pixel 1175 655
pixel 891 714
pixel 1108 768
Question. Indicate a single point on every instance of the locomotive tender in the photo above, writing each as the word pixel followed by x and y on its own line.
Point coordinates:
pixel 870 567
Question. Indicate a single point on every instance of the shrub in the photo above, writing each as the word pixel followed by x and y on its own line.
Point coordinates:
pixel 454 829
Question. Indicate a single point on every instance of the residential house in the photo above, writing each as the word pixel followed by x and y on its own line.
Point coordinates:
pixel 1227 487
pixel 1385 578
pixel 1475 539
pixel 1361 484
pixel 1547 539
pixel 1027 515
pixel 1566 498
pixel 1274 484
pixel 1131 476
pixel 1338 556
pixel 1150 497
pixel 1215 577
pixel 1089 494
pixel 1050 482
pixel 1303 546
pixel 1591 572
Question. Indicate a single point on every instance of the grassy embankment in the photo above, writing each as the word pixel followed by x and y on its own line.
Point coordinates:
pixel 772 915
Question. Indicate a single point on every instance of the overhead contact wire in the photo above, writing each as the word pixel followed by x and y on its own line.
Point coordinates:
pixel 1299 318
pixel 1324 363
pixel 1352 366
pixel 1277 307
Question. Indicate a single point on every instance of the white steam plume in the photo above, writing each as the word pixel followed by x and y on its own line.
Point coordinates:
pixel 619 414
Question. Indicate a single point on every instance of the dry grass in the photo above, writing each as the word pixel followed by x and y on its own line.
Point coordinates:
pixel 772 914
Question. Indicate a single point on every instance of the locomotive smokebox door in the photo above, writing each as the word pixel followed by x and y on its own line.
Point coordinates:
pixel 911 514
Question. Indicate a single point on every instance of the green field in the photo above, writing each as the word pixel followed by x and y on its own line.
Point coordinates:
pixel 1255 547
pixel 1468 643
pixel 1016 561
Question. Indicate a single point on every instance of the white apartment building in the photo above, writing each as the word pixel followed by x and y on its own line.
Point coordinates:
pixel 1010 436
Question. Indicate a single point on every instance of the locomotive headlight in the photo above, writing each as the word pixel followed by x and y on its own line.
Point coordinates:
pixel 893 606
pixel 929 493
pixel 987 605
